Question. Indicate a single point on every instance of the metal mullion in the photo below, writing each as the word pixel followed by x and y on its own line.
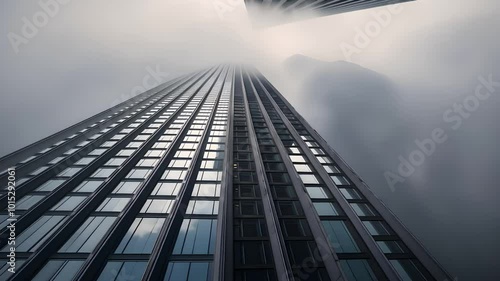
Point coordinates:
pixel 223 265
pixel 47 174
pixel 57 194
pixel 326 251
pixel 127 216
pixel 21 154
pixel 353 218
pixel 52 244
pixel 397 226
pixel 282 264
pixel 156 267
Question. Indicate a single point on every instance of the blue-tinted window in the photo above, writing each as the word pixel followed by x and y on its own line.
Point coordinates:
pixel 88 235
pixel 357 270
pixel 126 271
pixel 141 236
pixel 196 236
pixel 340 237
pixel 188 271
pixel 58 270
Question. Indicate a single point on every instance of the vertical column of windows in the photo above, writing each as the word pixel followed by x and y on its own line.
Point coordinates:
pixel 299 241
pixel 253 259
pixel 394 249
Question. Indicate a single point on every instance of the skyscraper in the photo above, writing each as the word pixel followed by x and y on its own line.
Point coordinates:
pixel 211 176
pixel 281 11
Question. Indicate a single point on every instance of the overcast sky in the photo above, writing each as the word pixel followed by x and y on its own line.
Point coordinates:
pixel 91 54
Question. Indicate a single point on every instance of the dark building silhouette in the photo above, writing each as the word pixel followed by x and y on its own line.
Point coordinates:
pixel 269 12
pixel 211 176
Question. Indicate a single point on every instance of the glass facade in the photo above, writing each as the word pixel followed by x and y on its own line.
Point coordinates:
pixel 212 176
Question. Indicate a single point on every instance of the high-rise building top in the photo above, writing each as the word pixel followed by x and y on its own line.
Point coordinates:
pixel 270 12
pixel 212 176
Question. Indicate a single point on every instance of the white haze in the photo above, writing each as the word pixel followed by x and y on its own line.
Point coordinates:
pixel 93 53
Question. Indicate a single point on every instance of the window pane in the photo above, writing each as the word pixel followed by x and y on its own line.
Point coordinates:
pixel 119 270
pixel 340 237
pixel 141 236
pixel 325 209
pixel 357 270
pixel 58 270
pixel 88 235
pixel 188 271
pixel 196 236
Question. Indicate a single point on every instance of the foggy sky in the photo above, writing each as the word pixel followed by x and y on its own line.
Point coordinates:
pixel 93 54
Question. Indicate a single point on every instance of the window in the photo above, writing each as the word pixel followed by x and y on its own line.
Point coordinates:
pixel 97 151
pixel 88 186
pixel 120 270
pixel 85 161
pixel 39 170
pixel 300 251
pixel 283 191
pixel 188 271
pixel 252 253
pixel 127 187
pixel 69 172
pixel 250 228
pixel 28 201
pixel 31 238
pixel 115 161
pixel 357 270
pixel 325 209
pixel 309 179
pixel 317 192
pixel 302 168
pixel 278 178
pixel 203 207
pixel 295 228
pixel 340 180
pixel 167 188
pixel 174 174
pixel 340 237
pixel 212 164
pixel 179 163
pixel 59 270
pixel 157 206
pixel 113 204
pixel 331 169
pixel 248 208
pixel 363 209
pixel 103 173
pixel 138 174
pixel 376 227
pixel 141 236
pixel 391 247
pixel 289 208
pixel 68 203
pixel 297 159
pixel 125 152
pixel 147 162
pixel 408 270
pixel 88 235
pixel 206 190
pixel 196 236
pixel 209 175
pixel 50 185
pixel 350 193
